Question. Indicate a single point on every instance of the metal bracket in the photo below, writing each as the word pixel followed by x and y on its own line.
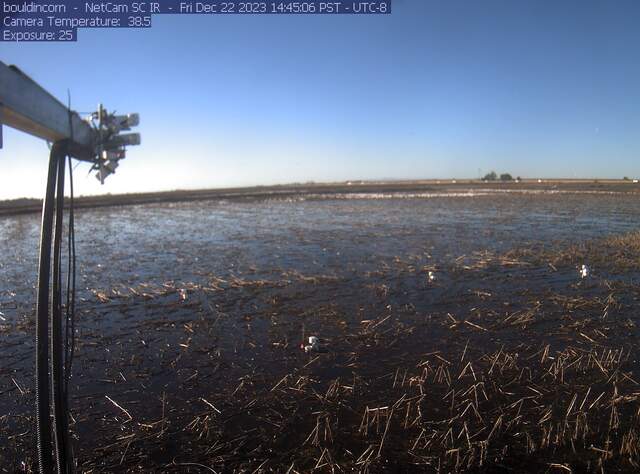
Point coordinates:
pixel 27 106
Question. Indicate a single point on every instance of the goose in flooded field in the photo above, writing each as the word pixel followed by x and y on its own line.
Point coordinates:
pixel 584 271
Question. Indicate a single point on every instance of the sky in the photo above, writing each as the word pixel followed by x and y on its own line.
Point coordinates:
pixel 436 90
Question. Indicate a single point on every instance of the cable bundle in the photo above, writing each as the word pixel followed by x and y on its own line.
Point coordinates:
pixel 54 354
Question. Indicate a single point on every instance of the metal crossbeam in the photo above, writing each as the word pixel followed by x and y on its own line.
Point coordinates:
pixel 26 106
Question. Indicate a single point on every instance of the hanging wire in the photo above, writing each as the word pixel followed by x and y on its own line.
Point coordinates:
pixel 71 286
pixel 57 345
pixel 53 351
pixel 43 420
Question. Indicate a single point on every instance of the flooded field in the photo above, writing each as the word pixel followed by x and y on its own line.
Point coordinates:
pixel 191 318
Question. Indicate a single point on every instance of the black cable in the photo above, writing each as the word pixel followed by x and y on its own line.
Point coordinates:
pixel 43 421
pixel 60 350
pixel 69 306
pixel 69 343
pixel 69 346
pixel 57 375
pixel 71 286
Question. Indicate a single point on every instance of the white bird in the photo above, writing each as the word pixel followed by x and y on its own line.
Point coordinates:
pixel 584 271
pixel 314 344
pixel 431 277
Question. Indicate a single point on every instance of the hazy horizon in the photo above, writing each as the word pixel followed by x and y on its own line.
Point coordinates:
pixel 355 181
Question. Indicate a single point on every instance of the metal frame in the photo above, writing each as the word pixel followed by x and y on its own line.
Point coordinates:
pixel 27 106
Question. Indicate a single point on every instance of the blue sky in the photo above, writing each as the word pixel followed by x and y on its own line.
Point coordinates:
pixel 542 88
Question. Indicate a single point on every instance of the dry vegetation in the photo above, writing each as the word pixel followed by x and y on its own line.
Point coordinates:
pixel 506 363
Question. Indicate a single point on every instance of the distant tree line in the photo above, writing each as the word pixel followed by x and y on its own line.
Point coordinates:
pixel 493 176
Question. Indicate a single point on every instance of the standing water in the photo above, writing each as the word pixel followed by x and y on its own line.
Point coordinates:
pixel 191 319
